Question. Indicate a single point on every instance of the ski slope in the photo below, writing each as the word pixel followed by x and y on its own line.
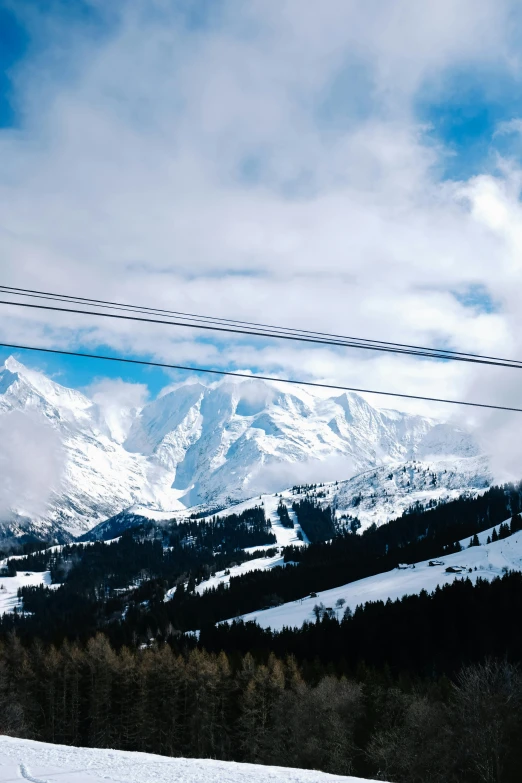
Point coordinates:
pixel 284 537
pixel 486 561
pixel 40 762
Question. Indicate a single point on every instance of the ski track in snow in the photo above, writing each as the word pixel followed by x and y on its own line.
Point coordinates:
pixel 490 561
pixel 41 762
pixel 26 774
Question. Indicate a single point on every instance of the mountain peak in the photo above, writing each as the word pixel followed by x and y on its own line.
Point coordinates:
pixel 13 365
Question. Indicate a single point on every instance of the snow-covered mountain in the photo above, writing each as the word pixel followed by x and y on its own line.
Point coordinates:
pixel 210 445
pixel 385 492
pixel 93 476
pixel 240 438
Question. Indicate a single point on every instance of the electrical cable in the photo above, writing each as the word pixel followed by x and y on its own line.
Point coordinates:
pixel 470 358
pixel 281 332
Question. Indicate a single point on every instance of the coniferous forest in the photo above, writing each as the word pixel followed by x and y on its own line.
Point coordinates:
pixel 266 709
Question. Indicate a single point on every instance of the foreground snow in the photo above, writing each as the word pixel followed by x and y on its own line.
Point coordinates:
pixel 486 562
pixel 40 762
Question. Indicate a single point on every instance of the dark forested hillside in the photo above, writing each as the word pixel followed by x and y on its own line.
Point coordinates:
pixel 100 583
pixel 423 634
pixel 106 583
pixel 317 523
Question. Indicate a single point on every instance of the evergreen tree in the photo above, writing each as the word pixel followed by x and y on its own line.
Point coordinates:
pixel 516 523
pixel 101 663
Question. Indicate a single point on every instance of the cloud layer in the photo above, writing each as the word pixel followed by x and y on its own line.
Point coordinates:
pixel 31 463
pixel 267 161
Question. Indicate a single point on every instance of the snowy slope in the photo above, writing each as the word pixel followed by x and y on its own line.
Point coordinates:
pixel 211 446
pixel 490 560
pixel 9 586
pixel 41 762
pixel 285 537
pixel 384 493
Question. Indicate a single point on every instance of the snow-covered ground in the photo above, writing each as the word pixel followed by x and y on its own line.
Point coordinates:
pixel 9 587
pixel 386 492
pixel 223 577
pixel 489 560
pixel 40 762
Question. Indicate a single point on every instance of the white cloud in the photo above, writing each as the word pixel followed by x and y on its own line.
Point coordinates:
pixel 119 402
pixel 276 477
pixel 31 463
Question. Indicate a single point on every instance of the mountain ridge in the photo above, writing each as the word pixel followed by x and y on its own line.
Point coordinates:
pixel 210 446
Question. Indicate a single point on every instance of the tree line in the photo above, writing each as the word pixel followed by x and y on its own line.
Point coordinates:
pixel 266 709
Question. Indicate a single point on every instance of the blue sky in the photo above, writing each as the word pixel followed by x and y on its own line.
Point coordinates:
pixel 82 373
pixel 466 116
pixel 353 170
pixel 13 46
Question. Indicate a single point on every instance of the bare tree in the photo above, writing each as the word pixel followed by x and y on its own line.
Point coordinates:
pixel 488 718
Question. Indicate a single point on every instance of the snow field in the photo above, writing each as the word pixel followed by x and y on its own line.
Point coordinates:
pixel 40 762
pixel 223 577
pixel 9 587
pixel 489 560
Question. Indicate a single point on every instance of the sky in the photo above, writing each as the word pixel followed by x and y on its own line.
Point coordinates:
pixel 344 167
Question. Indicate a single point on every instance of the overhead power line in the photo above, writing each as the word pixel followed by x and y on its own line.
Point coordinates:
pixel 205 318
pixel 281 330
pixel 217 325
pixel 249 376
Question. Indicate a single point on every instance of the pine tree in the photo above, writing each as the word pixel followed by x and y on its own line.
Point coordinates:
pixel 504 531
pixel 165 678
pixel 101 663
pixel 71 686
pixel 12 718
